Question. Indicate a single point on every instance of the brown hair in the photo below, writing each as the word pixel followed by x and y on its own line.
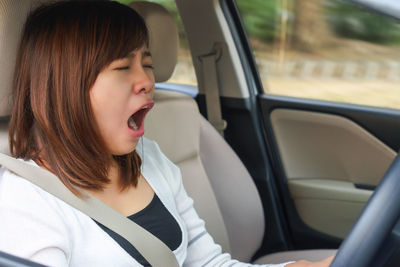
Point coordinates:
pixel 64 47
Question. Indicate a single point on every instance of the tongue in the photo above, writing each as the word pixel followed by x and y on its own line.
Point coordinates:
pixel 132 124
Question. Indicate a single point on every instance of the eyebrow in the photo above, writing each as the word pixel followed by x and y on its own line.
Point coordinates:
pixel 144 54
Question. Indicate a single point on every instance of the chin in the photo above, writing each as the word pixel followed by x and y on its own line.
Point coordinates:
pixel 124 150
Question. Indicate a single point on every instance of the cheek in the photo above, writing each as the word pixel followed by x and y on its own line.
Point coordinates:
pixel 152 78
pixel 106 97
pixel 153 82
pixel 101 95
pixel 104 107
pixel 107 110
pixel 96 102
pixel 109 101
pixel 107 118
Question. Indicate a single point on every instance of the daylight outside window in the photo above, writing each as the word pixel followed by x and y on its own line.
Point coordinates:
pixel 328 50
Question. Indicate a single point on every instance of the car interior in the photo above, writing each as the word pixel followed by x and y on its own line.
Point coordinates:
pixel 277 179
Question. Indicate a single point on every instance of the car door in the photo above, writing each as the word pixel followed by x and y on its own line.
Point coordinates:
pixel 324 86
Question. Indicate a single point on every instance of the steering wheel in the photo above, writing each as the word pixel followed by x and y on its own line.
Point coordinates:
pixel 375 223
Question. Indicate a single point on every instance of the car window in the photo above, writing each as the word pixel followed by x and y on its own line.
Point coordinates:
pixel 327 50
pixel 184 71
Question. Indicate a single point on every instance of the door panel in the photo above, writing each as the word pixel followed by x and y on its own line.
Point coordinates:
pixel 323 157
pixel 326 156
pixel 324 146
pixel 329 206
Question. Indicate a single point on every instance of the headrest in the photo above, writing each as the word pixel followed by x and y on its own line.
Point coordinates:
pixel 162 30
pixel 163 37
pixel 12 18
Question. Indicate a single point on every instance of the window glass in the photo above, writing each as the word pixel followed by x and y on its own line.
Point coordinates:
pixel 328 50
pixel 184 71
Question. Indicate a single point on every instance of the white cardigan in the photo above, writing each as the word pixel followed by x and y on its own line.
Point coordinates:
pixel 38 226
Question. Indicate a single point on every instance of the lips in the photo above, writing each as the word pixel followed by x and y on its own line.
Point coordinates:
pixel 135 121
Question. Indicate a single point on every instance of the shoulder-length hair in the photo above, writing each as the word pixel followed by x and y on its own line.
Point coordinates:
pixel 64 46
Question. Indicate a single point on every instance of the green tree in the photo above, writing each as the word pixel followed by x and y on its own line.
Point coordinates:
pixel 351 21
pixel 259 17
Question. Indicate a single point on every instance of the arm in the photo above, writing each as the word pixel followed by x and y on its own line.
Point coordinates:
pixel 30 228
pixel 324 263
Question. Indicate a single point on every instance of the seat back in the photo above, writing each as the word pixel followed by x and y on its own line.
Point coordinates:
pixel 223 191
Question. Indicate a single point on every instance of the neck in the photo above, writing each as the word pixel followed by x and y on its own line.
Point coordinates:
pixel 113 174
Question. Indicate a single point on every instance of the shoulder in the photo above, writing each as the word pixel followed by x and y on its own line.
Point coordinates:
pixel 150 149
pixel 13 187
pixel 17 195
pixel 153 158
pixel 31 219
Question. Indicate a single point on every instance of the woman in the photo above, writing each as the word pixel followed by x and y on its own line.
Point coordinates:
pixel 83 86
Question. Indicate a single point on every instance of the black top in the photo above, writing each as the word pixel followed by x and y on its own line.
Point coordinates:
pixel 156 219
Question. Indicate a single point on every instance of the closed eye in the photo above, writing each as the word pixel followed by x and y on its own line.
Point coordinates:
pixel 149 66
pixel 122 68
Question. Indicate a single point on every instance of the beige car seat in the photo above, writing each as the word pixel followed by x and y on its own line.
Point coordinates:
pixel 224 193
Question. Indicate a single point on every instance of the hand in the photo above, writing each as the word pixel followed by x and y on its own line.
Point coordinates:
pixel 303 263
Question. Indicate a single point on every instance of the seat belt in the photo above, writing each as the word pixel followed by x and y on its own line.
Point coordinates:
pixel 149 246
pixel 211 88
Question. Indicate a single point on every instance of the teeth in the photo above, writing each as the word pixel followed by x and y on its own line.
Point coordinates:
pixel 144 107
pixel 132 124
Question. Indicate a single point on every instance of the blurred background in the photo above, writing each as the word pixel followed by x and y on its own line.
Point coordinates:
pixel 321 49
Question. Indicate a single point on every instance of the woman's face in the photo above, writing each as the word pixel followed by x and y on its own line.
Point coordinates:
pixel 120 98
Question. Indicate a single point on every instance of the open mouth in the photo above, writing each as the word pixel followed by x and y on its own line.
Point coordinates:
pixel 136 120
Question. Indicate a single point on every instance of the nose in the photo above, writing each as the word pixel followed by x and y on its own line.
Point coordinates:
pixel 143 81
